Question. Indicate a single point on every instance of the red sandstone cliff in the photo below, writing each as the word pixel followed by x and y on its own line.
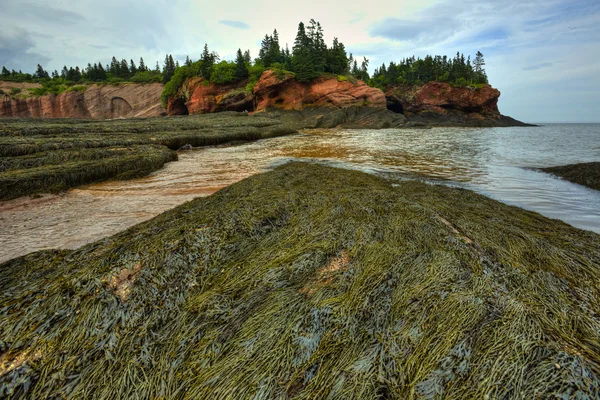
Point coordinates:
pixel 96 102
pixel 438 103
pixel 196 96
pixel 323 103
pixel 289 94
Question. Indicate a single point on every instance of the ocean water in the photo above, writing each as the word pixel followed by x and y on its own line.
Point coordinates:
pixel 497 162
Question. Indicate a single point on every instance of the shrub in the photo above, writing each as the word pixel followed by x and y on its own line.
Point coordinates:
pixel 223 72
pixel 254 73
pixel 461 82
pixel 146 77
pixel 14 91
pixel 78 88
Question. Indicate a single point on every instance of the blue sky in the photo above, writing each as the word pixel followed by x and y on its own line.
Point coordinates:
pixel 544 56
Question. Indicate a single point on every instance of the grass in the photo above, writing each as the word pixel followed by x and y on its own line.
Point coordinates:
pixel 40 156
pixel 311 282
pixel 587 174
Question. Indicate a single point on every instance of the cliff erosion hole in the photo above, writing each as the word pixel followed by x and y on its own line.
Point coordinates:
pixel 178 107
pixel 119 107
pixel 395 107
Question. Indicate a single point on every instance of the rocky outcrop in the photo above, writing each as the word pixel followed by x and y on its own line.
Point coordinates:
pixel 96 102
pixel 440 104
pixel 198 96
pixel 329 102
pixel 286 93
pixel 324 103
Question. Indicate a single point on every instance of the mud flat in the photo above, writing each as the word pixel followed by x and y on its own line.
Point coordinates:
pixel 311 282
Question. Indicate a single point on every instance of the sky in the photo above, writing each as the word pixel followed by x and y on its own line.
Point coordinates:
pixel 543 55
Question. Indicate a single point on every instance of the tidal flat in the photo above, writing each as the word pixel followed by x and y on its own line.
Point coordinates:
pixel 311 282
pixel 50 156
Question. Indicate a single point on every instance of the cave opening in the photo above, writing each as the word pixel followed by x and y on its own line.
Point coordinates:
pixel 395 106
pixel 178 107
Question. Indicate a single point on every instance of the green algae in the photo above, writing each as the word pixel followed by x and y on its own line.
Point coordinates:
pixel 40 156
pixel 311 282
pixel 586 174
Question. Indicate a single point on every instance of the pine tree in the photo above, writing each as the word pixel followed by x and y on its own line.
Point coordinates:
pixel 132 68
pixel 168 68
pixel 142 65
pixel 188 61
pixel 41 73
pixel 247 57
pixel 64 72
pixel 337 60
pixel 302 63
pixel 124 69
pixel 5 72
pixel 115 67
pixel 241 71
pixel 208 61
pixel 478 64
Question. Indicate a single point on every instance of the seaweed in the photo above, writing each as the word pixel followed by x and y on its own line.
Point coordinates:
pixel 586 174
pixel 41 156
pixel 311 282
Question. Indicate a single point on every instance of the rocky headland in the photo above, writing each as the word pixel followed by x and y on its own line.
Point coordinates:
pixel 331 101
pixel 328 101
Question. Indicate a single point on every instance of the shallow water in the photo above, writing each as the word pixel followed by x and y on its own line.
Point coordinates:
pixel 497 162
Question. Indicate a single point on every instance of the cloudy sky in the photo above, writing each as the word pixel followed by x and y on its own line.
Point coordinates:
pixel 543 55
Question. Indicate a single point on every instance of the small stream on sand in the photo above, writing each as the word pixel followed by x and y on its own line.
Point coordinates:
pixel 496 162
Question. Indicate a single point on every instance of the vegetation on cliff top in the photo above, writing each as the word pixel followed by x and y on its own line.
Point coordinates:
pixel 587 174
pixel 311 282
pixel 41 156
pixel 311 58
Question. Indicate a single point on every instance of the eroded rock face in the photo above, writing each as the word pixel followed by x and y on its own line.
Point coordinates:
pixel 273 92
pixel 438 103
pixel 323 103
pixel 96 102
pixel 197 96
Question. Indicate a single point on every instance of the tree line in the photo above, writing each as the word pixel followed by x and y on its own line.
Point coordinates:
pixel 457 70
pixel 309 58
pixel 116 71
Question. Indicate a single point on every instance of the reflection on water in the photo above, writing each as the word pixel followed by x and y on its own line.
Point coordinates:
pixel 497 162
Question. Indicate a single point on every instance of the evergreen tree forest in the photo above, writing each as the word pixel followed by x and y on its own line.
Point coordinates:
pixel 309 58
pixel 457 71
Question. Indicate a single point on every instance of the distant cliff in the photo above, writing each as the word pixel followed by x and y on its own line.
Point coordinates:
pixel 331 101
pixel 326 102
pixel 96 102
pixel 440 104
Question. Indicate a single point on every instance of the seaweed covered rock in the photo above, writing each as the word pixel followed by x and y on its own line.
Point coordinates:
pixel 43 156
pixel 587 174
pixel 311 282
